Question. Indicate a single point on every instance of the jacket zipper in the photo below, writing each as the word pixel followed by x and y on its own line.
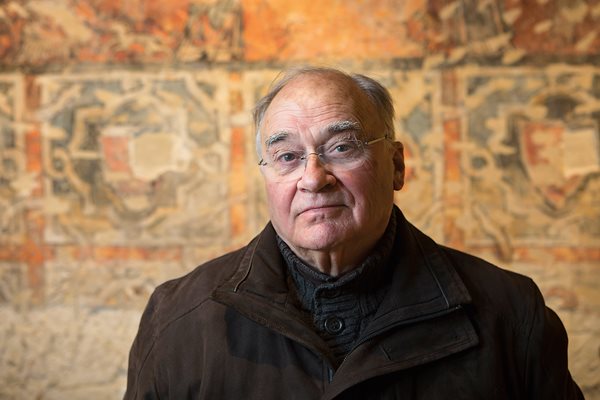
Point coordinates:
pixel 329 374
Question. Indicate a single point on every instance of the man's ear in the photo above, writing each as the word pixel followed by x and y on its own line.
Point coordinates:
pixel 398 159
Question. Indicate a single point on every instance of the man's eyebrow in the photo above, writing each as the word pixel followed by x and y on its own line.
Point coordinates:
pixel 276 137
pixel 332 129
pixel 343 126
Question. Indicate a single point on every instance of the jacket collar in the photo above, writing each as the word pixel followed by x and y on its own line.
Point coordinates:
pixel 258 290
pixel 424 281
pixel 424 285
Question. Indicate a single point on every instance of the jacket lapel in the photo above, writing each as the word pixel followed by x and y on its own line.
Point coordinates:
pixel 259 291
pixel 421 320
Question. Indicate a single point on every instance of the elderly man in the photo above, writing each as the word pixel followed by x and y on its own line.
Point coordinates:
pixel 339 297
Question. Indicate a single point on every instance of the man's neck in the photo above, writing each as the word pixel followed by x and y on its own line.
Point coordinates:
pixel 333 262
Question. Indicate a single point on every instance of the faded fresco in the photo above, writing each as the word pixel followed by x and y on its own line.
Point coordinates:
pixel 127 154
pixel 135 157
pixel 537 131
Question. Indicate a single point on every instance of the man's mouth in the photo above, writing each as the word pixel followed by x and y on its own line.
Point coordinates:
pixel 320 207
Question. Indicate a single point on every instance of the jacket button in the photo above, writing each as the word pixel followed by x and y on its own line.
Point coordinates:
pixel 334 325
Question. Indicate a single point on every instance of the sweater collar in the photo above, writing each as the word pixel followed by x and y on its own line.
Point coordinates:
pixel 369 276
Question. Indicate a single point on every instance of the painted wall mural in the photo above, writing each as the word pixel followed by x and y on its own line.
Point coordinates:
pixel 127 154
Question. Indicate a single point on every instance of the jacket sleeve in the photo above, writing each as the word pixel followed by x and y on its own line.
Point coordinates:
pixel 546 367
pixel 141 379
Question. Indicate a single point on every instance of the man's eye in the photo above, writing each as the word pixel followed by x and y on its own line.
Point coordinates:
pixel 341 148
pixel 287 157
pixel 344 147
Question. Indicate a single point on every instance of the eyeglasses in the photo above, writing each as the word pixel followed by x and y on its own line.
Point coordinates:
pixel 287 160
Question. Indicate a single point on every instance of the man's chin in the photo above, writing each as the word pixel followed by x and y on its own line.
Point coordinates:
pixel 319 237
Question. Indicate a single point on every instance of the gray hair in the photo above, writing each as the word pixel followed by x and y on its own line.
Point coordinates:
pixel 375 92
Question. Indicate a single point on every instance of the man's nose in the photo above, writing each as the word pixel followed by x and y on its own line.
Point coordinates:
pixel 316 176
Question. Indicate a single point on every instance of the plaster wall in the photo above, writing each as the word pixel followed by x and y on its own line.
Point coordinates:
pixel 127 154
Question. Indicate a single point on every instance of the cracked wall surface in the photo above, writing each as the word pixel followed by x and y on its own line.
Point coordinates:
pixel 127 154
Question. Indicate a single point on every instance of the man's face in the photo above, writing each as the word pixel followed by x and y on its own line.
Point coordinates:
pixel 326 208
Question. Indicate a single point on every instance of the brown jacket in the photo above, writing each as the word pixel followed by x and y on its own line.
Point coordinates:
pixel 452 327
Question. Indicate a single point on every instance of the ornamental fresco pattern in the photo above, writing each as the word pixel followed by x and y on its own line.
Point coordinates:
pixel 41 32
pixel 15 181
pixel 531 156
pixel 135 158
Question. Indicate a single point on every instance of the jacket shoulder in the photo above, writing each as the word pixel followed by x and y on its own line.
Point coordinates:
pixel 178 296
pixel 511 301
pixel 506 296
pixel 495 288
pixel 170 302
